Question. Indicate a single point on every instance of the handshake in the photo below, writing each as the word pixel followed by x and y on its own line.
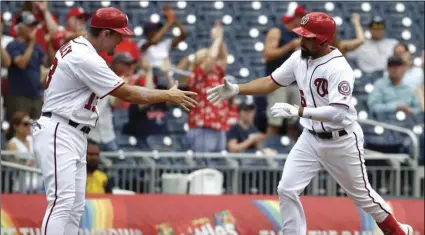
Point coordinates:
pixel 227 90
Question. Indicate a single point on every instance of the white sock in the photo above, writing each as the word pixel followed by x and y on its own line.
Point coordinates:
pixel 404 228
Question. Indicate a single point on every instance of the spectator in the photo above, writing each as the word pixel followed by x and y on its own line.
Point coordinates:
pixel 280 43
pixel 20 141
pixel 19 133
pixel 156 48
pixel 47 22
pixel 24 75
pixel 5 57
pixel 373 54
pixel 414 75
pixel 244 136
pixel 345 46
pixel 146 120
pixel 208 122
pixel 97 181
pixel 420 89
pixel 123 65
pixel 390 95
pixel 75 23
pixel 5 63
pixel 184 66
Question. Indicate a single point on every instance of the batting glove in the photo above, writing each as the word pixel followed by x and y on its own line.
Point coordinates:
pixel 284 110
pixel 222 92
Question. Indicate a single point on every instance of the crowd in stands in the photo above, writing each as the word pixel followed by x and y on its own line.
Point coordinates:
pixel 243 124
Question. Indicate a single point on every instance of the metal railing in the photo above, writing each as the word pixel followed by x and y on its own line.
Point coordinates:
pixel 243 173
pixel 19 178
pixel 413 161
pixel 408 132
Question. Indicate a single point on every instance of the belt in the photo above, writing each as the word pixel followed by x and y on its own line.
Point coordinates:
pixel 84 129
pixel 329 135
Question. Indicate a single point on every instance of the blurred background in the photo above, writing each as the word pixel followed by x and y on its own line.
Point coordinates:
pixel 153 148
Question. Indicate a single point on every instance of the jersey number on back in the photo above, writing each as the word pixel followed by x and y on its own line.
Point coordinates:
pixel 51 72
pixel 64 50
pixel 90 106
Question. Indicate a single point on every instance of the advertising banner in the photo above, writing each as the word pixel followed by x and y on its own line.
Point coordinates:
pixel 203 215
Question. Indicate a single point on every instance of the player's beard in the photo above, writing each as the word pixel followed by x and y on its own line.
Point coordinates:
pixel 305 54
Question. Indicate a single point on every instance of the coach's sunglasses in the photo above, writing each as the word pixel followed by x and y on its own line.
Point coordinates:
pixel 26 123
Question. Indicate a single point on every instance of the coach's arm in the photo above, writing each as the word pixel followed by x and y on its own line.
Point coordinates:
pixel 143 95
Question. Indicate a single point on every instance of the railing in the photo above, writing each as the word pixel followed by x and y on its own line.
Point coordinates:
pixel 408 132
pixel 19 178
pixel 243 173
pixel 413 161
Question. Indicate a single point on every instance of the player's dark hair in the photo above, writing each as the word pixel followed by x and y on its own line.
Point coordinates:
pixel 95 32
pixel 92 142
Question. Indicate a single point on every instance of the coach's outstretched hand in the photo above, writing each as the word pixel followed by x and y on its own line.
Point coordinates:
pixel 186 99
pixel 222 92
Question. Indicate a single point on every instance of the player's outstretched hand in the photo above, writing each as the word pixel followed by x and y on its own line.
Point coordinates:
pixel 186 99
pixel 284 110
pixel 222 92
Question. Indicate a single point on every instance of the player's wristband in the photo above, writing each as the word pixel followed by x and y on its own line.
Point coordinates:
pixel 300 111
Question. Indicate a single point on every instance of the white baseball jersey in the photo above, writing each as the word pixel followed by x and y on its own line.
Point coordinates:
pixel 77 78
pixel 324 81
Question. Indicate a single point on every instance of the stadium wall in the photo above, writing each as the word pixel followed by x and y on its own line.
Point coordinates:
pixel 204 215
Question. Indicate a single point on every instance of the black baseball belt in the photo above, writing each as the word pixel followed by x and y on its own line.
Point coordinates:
pixel 328 135
pixel 84 129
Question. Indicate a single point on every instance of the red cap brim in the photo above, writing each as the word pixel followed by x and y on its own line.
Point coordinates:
pixel 124 31
pixel 303 32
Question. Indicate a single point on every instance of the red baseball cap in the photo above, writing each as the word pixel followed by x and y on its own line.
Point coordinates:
pixel 77 11
pixel 111 18
pixel 298 12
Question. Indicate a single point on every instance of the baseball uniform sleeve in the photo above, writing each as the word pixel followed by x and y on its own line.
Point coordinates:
pixel 340 87
pixel 96 75
pixel 284 75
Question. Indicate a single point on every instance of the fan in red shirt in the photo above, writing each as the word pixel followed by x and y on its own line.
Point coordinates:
pixel 208 122
pixel 75 22
pixel 47 21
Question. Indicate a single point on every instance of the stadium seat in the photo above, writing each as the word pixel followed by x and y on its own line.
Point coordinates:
pixel 206 182
pixel 3 141
pixel 385 143
pixel 174 183
pixel 176 121
pixel 275 142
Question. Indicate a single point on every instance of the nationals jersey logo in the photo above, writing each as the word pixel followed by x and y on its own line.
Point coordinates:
pixel 321 86
pixel 304 20
pixel 344 88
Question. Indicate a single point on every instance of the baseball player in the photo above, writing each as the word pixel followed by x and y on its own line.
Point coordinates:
pixel 331 139
pixel 77 78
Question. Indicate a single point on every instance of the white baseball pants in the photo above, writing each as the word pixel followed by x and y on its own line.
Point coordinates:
pixel 343 158
pixel 60 150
